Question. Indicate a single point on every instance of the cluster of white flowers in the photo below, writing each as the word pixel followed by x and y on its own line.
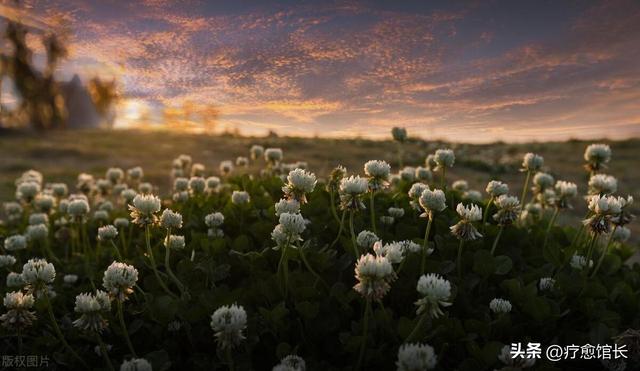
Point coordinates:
pixel 226 167
pixel 273 156
pixel 464 229
pixel 256 151
pixel 240 198
pixel 7 261
pixel 436 293
pixel 136 364
pixel 432 201
pixel 174 242
pixel 580 262
pixel 107 233
pixel 532 162
pixel 214 221
pixel 423 174
pixel 374 275
pixel 299 183
pixel 377 173
pixel 171 219
pixel 14 211
pixel 565 191
pixel 18 314
pixel 546 283
pixel 15 242
pixel 496 188
pixel 408 174
pixel 291 363
pixel 394 251
pixel 444 158
pixel 144 209
pixel 119 279
pixel 396 212
pixel 460 185
pixel 602 208
pixel 416 357
pixel 542 182
pixel 602 184
pixel 351 191
pixel 197 185
pixel 91 307
pixel 414 194
pixel 508 209
pixel 37 274
pixel 228 323
pixel 399 134
pixel 597 156
pixel 78 208
pixel 291 206
pixel 500 306
pixel 366 239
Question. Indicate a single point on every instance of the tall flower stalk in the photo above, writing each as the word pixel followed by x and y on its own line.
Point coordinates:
pixel 119 280
pixel 431 202
pixel 351 191
pixel 530 164
pixel 464 230
pixel 377 173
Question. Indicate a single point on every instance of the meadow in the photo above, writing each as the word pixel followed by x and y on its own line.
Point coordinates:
pixel 238 253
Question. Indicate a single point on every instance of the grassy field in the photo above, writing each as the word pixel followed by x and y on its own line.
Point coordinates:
pixel 61 155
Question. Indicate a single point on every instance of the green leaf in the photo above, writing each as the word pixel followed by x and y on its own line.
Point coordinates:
pixel 503 264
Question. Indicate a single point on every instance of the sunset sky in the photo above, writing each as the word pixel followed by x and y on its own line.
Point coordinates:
pixel 465 71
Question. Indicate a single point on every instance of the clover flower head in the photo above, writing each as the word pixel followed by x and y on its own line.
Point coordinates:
pixel 292 224
pixel 174 242
pixel 115 175
pixel 387 220
pixel 378 174
pixel 396 212
pixel 500 306
pixel 7 261
pixel 78 208
pixel 460 185
pixel 394 251
pixel 18 314
pixel 351 190
pixel 546 283
pixel 121 223
pixel 144 209
pixel 145 188
pixel 228 323
pixel 136 364
pixel 279 237
pixel 621 234
pixel 602 184
pixel 37 274
pixel 197 185
pixel 423 174
pixel 416 190
pixel 273 155
pixel 171 219
pixel 128 195
pixel 59 190
pixel 104 186
pixel 432 201
pixel 213 182
pixel 532 162
pixel 180 184
pixel 408 245
pixel 119 279
pixel 623 217
pixel 101 215
pixel 435 292
pixel 399 134
pixel 416 357
pixel 464 229
pixel 542 182
pixel 135 173
pixel 366 239
pixel 70 279
pixel 597 156
pixel 408 174
pixel 242 161
pixel 197 170
pixel 107 233
pixel 214 220
pixel 603 209
pixel 508 209
pixel 27 191
pixel 496 188
pixel 240 198
pixel 374 275
pixel 444 158
pixel 13 210
pixel 472 195
pixel 256 151
pixel 580 262
pixel 37 232
pixel 430 162
pixel 290 206
pixel 226 167
pixel 15 242
pixel 335 177
pixel 517 363
pixel 44 202
pixel 299 183
pixel 91 307
pixel 291 363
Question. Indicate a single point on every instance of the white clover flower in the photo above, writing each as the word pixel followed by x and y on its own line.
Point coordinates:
pixel 602 184
pixel 532 162
pixel 85 183
pixel 602 209
pixel 135 173
pixel 226 167
pixel 91 307
pixel 444 158
pixel 136 364
pixel 213 182
pixel 580 262
pixel 460 185
pixel 145 188
pixel 292 224
pixel 387 220
pixel 396 212
pixel 496 188
pixel 374 275
pixel 299 183
pixel 430 162
pixel 27 191
pixel 291 206
pixel 171 219
pixel 366 239
pixel 335 177
pixel 128 195
pixel 414 194
pixel 621 234
pixel 242 161
pixel 517 363
pixel 256 151
pixel 546 283
pixel 228 322
pixel 15 242
pixel 107 233
pixel 395 179
pixel 197 185
pixel 37 232
pixel 240 198
pixel 464 229
pixel 273 155
pixel 541 182
pixel 423 174
pixel 472 195
pixel 279 237
pixel 624 217
pixel 180 184
pixel 413 247
pixel 174 242
pixel 351 189
pixel 399 134
pixel 121 223
pixel 436 293
pixel 14 280
pixel 214 220
pixel 394 251
pixel 291 363
pixel 565 192
pixel 70 279
pixel 597 155
pixel 508 209
pixel 13 210
pixel 197 170
pixel 115 175
pixel 432 201
pixel 144 209
pixel 18 315
pixel 7 261
pixel 416 357
pixel 59 190
pixel 44 202
pixel 180 197
pixel 377 173
pixel 30 176
pixel 408 174
pixel 119 279
pixel 104 186
pixel 500 306
pixel 101 215
pixel 78 208
pixel 37 274
pixel 106 206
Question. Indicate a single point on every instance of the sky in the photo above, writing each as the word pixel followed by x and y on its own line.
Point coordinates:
pixel 472 71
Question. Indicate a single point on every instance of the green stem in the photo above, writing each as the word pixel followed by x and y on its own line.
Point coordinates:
pixel 167 264
pixel 415 330
pixel 123 242
pixel 103 350
pixel 591 248
pixel 486 211
pixel 604 252
pixel 443 184
pixel 551 223
pixel 229 359
pixel 495 241
pixel 282 269
pixel 365 331
pixel 57 329
pixel 115 247
pixel 373 212
pixel 459 260
pixel 332 198
pixel 147 235
pixel 125 332
pixel 524 192
pixel 353 235
pixel 425 244
pixel 306 263
pixel 344 213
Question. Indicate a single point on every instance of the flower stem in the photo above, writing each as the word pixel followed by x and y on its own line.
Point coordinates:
pixel 147 235
pixel 103 350
pixel 282 267
pixel 495 241
pixel 365 331
pixel 227 354
pixel 486 211
pixel 125 332
pixel 604 252
pixel 459 260
pixel 167 264
pixel 415 330
pixel 306 263
pixel 425 244
pixel 353 235
pixel 373 212
pixel 115 247
pixel 551 223
pixel 57 330
pixel 344 213
pixel 524 192
pixel 332 198
pixel 443 183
